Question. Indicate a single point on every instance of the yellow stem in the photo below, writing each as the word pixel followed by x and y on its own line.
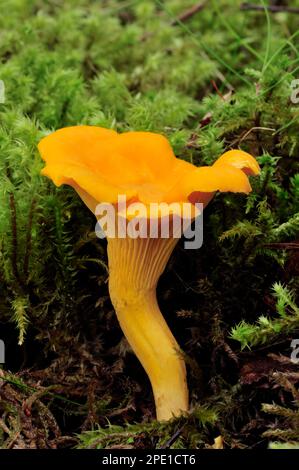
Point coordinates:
pixel 135 266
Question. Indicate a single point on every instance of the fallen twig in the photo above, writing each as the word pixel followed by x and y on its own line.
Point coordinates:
pixel 173 438
pixel 186 15
pixel 270 8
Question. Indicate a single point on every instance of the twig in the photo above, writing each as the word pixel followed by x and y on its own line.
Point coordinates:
pixel 173 438
pixel 4 427
pixel 270 8
pixel 180 19
pixel 12 436
pixel 27 405
pixel 246 134
pixel 186 15
pixel 217 90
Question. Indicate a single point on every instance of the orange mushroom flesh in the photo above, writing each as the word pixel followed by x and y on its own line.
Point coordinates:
pixel 100 165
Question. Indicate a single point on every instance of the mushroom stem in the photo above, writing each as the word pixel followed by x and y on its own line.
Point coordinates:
pixel 135 266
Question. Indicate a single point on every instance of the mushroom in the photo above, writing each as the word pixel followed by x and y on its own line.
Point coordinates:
pixel 101 164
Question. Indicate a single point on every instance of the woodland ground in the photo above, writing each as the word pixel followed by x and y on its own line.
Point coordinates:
pixel 210 80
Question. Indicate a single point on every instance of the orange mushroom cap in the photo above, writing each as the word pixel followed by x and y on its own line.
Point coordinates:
pixel 102 164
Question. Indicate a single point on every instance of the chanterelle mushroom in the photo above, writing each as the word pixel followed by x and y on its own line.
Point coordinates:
pixel 101 165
